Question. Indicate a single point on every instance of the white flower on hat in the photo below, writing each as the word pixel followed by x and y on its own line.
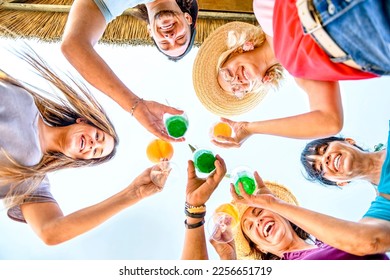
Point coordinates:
pixel 239 95
pixel 248 46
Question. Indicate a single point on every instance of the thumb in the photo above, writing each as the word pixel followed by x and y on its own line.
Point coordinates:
pixel 259 180
pixel 191 170
pixel 227 121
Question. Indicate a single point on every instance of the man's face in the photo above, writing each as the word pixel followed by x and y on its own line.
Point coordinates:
pixel 171 31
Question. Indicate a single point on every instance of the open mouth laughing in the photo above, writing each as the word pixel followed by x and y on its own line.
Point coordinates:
pixel 167 27
pixel 82 143
pixel 244 73
pixel 336 163
pixel 267 228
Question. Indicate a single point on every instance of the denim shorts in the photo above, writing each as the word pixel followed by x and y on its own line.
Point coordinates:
pixel 361 28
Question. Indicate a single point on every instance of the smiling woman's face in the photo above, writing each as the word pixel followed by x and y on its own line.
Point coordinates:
pixel 239 73
pixel 84 141
pixel 268 230
pixel 339 161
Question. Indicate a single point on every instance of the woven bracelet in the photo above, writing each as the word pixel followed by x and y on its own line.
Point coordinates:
pixel 196 225
pixel 135 106
pixel 194 209
pixel 194 215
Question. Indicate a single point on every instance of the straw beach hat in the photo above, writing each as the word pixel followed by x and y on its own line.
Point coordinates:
pixel 242 244
pixel 205 74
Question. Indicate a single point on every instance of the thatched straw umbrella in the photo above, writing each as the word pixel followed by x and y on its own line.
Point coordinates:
pixel 45 20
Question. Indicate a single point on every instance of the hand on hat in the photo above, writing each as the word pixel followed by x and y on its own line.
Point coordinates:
pixel 150 115
pixel 262 198
pixel 199 190
pixel 240 135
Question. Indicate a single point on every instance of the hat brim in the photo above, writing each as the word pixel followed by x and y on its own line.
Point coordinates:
pixel 205 75
pixel 241 243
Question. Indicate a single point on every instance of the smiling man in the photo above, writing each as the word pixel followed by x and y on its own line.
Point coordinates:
pixel 171 23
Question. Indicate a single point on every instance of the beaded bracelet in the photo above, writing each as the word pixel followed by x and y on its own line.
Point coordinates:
pixel 196 225
pixel 135 106
pixel 195 215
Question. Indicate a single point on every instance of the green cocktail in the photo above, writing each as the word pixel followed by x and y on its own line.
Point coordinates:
pixel 245 177
pixel 204 161
pixel 176 125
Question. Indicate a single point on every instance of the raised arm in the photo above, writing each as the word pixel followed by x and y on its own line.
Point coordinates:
pixel 368 236
pixel 325 117
pixel 49 223
pixel 198 192
pixel 84 28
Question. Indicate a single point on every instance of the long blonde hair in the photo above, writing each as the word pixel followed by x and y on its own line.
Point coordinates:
pixel 55 111
pixel 235 44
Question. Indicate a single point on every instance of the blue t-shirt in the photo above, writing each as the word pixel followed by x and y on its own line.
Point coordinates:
pixel 380 207
pixel 20 139
pixel 113 8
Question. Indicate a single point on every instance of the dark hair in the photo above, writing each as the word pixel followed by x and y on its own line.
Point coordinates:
pixel 186 6
pixel 259 255
pixel 312 148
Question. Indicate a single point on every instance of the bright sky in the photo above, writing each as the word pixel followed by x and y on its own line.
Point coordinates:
pixel 153 228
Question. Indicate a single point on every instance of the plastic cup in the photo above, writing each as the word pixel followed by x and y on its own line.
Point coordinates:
pixel 220 129
pixel 176 125
pixel 159 150
pixel 164 173
pixel 223 223
pixel 243 175
pixel 204 161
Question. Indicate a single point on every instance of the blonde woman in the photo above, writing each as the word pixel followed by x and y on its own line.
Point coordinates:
pixel 42 134
pixel 315 42
pixel 226 71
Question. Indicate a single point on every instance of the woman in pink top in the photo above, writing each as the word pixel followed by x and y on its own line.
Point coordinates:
pixel 237 64
pixel 271 226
